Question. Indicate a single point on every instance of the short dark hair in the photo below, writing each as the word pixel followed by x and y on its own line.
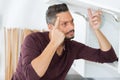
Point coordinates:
pixel 53 10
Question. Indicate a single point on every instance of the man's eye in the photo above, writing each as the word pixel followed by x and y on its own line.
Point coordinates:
pixel 72 22
pixel 64 24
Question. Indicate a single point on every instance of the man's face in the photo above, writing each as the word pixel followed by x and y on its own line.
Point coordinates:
pixel 66 24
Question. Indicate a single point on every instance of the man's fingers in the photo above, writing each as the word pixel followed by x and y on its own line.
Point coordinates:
pixel 100 12
pixel 97 13
pixel 89 13
pixel 56 23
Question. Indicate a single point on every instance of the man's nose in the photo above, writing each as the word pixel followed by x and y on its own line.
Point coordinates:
pixel 71 26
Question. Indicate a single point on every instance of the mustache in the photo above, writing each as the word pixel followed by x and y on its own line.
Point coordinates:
pixel 70 31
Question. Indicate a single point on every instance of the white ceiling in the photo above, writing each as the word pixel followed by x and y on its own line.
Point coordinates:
pixel 108 4
pixel 111 7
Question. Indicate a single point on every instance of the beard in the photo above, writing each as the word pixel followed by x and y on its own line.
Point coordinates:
pixel 69 38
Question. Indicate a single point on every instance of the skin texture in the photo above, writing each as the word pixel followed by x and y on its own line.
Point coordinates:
pixel 64 28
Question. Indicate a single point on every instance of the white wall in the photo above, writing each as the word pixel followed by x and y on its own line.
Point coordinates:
pixel 2 71
pixel 2 56
pixel 22 14
pixel 26 13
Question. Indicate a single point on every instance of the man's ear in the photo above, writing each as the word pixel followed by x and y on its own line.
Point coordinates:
pixel 50 26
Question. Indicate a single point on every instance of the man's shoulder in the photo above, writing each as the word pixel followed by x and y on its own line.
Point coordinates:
pixel 36 37
pixel 76 43
pixel 37 34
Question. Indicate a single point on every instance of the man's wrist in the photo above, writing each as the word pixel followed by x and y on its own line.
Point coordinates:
pixel 53 44
pixel 96 30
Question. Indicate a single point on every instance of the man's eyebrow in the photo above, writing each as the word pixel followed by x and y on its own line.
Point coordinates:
pixel 68 21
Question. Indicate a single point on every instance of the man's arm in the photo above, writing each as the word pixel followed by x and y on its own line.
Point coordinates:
pixel 106 53
pixel 41 63
pixel 95 22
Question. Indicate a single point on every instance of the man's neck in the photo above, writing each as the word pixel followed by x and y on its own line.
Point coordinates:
pixel 60 49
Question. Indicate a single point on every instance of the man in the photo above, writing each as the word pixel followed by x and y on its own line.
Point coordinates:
pixel 49 55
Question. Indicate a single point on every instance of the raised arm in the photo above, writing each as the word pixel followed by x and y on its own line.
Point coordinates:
pixel 106 53
pixel 95 22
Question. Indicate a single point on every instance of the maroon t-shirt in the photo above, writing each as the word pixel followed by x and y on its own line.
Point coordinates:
pixel 35 43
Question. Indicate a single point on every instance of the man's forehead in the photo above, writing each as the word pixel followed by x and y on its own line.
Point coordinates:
pixel 66 20
pixel 64 14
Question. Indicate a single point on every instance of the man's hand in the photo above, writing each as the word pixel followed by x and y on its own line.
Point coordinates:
pixel 94 19
pixel 57 36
